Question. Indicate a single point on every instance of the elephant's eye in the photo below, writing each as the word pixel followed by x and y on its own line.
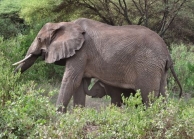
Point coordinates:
pixel 39 39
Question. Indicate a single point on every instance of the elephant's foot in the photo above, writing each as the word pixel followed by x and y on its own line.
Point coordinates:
pixel 62 109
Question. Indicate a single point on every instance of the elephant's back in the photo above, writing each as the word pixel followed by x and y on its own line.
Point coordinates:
pixel 119 54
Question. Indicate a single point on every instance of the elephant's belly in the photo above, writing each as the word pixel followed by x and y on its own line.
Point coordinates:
pixel 124 78
pixel 120 85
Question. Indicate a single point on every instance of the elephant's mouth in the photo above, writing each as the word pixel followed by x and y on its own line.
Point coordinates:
pixel 60 62
pixel 43 54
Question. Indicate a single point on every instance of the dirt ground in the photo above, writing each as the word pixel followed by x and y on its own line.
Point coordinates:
pixel 96 103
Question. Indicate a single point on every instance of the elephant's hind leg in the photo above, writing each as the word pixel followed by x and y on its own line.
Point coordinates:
pixel 149 89
pixel 116 98
pixel 163 84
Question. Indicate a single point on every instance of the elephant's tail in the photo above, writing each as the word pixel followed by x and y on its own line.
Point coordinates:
pixel 175 76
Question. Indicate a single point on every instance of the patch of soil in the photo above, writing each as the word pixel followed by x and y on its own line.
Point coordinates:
pixel 97 102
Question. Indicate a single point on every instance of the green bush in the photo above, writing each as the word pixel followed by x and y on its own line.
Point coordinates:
pixel 32 116
pixel 15 50
pixel 184 67
pixel 21 105
pixel 20 117
pixel 172 120
pixel 8 81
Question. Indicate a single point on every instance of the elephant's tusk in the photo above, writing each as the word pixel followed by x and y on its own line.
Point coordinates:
pixel 19 62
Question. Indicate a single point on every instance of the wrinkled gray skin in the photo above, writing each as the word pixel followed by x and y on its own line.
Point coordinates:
pixel 100 89
pixel 122 56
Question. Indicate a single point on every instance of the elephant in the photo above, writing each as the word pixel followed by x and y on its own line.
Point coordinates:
pixel 129 56
pixel 100 89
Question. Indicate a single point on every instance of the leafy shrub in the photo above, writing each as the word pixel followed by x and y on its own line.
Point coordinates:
pixel 161 120
pixel 21 105
pixel 184 67
pixel 34 117
pixel 11 24
pixel 8 81
pixel 15 50
pixel 20 117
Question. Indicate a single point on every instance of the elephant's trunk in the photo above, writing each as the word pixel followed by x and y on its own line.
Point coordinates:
pixel 26 63
pixel 21 61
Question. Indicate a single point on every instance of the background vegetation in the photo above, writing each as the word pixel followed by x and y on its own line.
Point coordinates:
pixel 27 107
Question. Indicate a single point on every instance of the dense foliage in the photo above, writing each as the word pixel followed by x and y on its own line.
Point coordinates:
pixel 27 101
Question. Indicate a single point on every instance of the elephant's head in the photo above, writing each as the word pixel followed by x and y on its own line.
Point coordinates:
pixel 55 42
pixel 98 90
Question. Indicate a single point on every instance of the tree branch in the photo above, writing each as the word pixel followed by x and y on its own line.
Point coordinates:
pixel 126 13
pixel 167 25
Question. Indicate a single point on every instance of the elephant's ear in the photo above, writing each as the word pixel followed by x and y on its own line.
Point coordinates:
pixel 64 39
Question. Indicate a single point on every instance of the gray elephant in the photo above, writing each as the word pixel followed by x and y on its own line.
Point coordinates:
pixel 122 56
pixel 100 89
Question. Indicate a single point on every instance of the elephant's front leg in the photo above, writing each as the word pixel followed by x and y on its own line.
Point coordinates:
pixel 79 97
pixel 70 83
